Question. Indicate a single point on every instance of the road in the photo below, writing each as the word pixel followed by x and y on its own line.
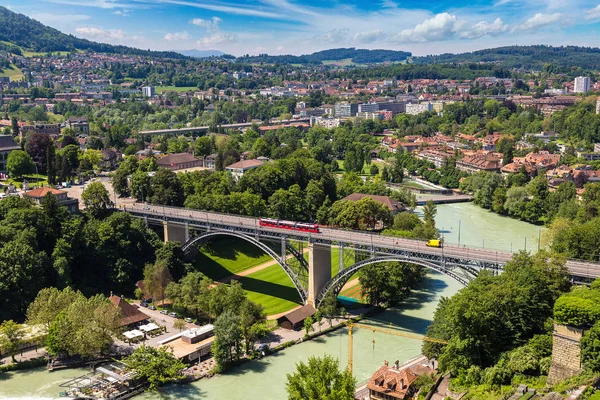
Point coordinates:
pixel 578 268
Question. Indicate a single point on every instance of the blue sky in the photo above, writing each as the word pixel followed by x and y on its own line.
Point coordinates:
pixel 299 27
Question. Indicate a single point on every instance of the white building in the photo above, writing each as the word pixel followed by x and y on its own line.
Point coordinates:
pixel 148 91
pixel 239 168
pixel 328 123
pixel 368 108
pixel 414 109
pixel 598 105
pixel 582 84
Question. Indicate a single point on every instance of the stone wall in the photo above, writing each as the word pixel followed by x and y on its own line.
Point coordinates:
pixel 566 353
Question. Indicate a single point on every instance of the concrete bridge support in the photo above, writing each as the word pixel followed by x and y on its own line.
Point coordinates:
pixel 176 232
pixel 319 269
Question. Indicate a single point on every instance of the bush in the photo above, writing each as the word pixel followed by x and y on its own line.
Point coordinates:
pixel 36 362
pixel 497 375
pixel 574 311
pixel 474 375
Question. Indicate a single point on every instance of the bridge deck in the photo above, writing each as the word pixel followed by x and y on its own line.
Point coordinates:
pixel 353 239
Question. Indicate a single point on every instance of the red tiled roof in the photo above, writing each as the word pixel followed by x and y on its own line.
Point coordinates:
pixel 177 158
pixel 41 192
pixel 245 164
pixel 392 204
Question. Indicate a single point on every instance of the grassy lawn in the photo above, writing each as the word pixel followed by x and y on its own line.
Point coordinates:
pixel 271 288
pixel 226 256
pixel 33 179
pixel 41 53
pixel 13 73
pixel 159 89
pixel 342 63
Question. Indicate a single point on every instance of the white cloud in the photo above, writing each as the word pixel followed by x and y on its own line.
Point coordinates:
pixel 177 36
pixel 122 13
pixel 99 33
pixel 593 13
pixel 334 36
pixel 224 8
pixel 539 20
pixel 210 25
pixel 215 39
pixel 50 19
pixel 446 26
pixel 483 28
pixel 367 37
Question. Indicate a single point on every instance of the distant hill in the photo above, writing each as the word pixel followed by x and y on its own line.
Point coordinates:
pixel 202 53
pixel 30 34
pixel 528 57
pixel 357 56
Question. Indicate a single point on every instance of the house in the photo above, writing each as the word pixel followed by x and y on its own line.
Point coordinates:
pixel 43 129
pixel 533 162
pixel 394 205
pixel 210 161
pixel 7 146
pixel 239 168
pixel 79 125
pixel 131 316
pixel 110 158
pixel 178 161
pixel 295 319
pixel 37 195
pixel 478 162
pixel 389 383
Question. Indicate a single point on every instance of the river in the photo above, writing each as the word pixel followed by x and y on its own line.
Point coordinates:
pixel 471 225
pixel 266 377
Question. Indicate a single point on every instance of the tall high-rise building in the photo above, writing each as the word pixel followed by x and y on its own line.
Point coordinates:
pixel 148 91
pixel 582 84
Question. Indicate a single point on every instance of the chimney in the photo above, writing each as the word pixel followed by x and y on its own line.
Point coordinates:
pixel 385 363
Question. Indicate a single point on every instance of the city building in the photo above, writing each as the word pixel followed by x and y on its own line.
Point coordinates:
pixel 597 148
pixel 79 125
pixel 394 107
pixel 598 105
pixel 37 195
pixel 192 344
pixel 110 159
pixel 418 108
pixel 479 162
pixel 42 129
pixel 239 168
pixel 588 156
pixel 7 146
pixel 368 108
pixel 344 109
pixel 148 91
pixel 328 123
pixel 178 161
pixel 582 84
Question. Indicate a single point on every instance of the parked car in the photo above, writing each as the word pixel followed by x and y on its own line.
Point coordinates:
pixel 143 304
pixel 189 320
pixel 173 314
pixel 165 312
pixel 151 308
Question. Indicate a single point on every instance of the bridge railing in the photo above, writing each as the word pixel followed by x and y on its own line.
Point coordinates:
pixel 181 212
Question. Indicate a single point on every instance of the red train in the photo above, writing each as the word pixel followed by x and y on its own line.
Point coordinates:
pixel 291 225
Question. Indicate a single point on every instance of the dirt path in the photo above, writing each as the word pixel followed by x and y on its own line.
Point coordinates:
pixel 251 270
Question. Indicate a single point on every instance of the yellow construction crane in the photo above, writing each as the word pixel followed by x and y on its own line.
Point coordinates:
pixel 352 325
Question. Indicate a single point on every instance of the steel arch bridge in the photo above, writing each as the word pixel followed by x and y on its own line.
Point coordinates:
pixel 290 257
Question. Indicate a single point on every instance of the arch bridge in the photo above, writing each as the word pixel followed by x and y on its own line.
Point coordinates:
pixel 313 276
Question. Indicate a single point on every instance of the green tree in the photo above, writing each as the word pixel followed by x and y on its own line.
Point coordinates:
pixel 11 337
pixel 388 283
pixel 96 200
pixel 590 348
pixel 179 324
pixel 157 366
pixel 156 279
pixel 19 163
pixel 166 188
pixel 308 325
pixel 227 346
pixel 429 212
pixel 320 379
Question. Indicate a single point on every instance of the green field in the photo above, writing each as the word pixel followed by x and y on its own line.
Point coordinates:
pixel 226 256
pixel 160 89
pixel 342 63
pixel 271 288
pixel 41 54
pixel 13 73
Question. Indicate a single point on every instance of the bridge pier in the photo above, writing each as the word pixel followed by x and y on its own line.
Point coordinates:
pixel 319 269
pixel 176 232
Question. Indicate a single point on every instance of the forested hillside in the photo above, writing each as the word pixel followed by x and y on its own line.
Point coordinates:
pixel 30 34
pixel 528 57
pixel 358 56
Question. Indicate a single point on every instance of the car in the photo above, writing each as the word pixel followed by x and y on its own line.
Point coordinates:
pixel 143 304
pixel 189 320
pixel 434 243
pixel 165 312
pixel 173 314
pixel 151 308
